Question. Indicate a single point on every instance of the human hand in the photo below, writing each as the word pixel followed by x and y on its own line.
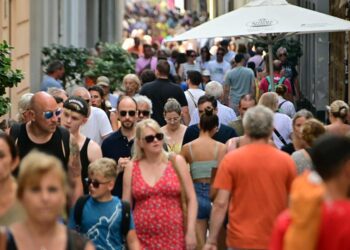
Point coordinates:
pixel 209 246
pixel 123 162
pixel 191 241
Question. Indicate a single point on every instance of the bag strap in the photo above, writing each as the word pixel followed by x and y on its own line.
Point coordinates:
pixel 126 217
pixel 280 137
pixel 78 211
pixel 192 97
pixel 279 106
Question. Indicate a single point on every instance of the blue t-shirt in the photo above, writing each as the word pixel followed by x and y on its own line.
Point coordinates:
pixel 101 223
pixel 50 82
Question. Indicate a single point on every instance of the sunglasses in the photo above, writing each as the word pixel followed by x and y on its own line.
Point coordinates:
pixel 283 54
pixel 95 183
pixel 150 138
pixel 50 114
pixel 144 112
pixel 131 113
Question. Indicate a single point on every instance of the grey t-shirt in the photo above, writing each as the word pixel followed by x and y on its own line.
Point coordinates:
pixel 240 80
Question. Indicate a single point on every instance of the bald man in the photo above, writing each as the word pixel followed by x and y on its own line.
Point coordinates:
pixel 98 126
pixel 43 133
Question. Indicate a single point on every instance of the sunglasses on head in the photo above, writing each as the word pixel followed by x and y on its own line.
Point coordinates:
pixel 130 113
pixel 50 114
pixel 144 112
pixel 150 138
pixel 95 183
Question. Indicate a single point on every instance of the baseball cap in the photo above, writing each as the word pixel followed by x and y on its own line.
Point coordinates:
pixel 102 81
pixel 77 104
pixel 205 72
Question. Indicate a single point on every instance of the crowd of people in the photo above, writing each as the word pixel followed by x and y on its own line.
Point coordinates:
pixel 203 153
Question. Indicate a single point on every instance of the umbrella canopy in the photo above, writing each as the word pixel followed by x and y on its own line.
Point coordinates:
pixel 262 17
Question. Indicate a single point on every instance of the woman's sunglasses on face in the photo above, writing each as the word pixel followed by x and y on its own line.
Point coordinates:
pixel 150 138
pixel 144 112
pixel 50 114
pixel 95 183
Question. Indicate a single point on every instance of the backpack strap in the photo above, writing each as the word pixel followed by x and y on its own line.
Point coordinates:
pixel 268 78
pixel 65 142
pixel 78 211
pixel 192 97
pixel 281 80
pixel 126 217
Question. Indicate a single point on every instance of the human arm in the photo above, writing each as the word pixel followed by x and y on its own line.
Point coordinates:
pixel 226 98
pixel 181 72
pixel 192 205
pixel 222 151
pixel 185 115
pixel 217 217
pixel 132 240
pixel 94 151
pixel 127 178
pixel 89 246
pixel 184 153
pixel 74 170
pixel 113 117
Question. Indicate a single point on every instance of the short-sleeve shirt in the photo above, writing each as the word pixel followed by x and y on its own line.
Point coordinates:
pixel 97 126
pixel 159 91
pixel 259 177
pixel 218 70
pixel 102 223
pixel 50 82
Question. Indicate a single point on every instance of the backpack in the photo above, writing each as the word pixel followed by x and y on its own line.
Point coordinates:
pixel 126 215
pixel 280 81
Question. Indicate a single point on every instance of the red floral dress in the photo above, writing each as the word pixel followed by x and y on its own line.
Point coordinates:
pixel 157 212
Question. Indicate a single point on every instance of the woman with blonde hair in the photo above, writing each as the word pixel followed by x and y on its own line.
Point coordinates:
pixel 42 190
pixel 131 84
pixel 310 131
pixel 152 183
pixel 338 113
pixel 174 131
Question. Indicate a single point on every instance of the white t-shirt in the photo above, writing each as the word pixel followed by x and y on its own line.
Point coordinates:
pixel 283 124
pixel 286 107
pixel 218 70
pixel 97 126
pixel 192 96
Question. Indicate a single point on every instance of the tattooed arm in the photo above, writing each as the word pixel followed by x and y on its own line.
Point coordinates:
pixel 74 170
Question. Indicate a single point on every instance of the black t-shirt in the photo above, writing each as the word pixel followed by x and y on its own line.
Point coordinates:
pixel 223 135
pixel 159 91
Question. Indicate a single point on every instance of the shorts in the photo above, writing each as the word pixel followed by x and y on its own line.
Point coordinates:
pixel 204 203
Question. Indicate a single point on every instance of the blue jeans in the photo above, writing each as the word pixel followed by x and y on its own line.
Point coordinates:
pixel 204 202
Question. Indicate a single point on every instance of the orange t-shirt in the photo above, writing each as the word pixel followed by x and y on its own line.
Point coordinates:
pixel 259 178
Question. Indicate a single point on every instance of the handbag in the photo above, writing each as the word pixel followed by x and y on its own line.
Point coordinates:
pixel 172 158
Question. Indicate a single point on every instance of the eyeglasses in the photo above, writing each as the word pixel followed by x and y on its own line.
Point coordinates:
pixel 144 112
pixel 95 183
pixel 50 114
pixel 283 54
pixel 150 138
pixel 174 119
pixel 131 113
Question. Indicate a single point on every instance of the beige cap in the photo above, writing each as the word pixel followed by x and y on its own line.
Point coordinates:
pixel 102 81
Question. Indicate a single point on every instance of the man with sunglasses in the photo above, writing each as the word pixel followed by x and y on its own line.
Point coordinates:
pixel 42 133
pixel 144 107
pixel 118 145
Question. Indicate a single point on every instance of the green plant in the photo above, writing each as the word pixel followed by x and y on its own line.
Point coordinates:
pixel 113 62
pixel 74 60
pixel 8 77
pixel 293 47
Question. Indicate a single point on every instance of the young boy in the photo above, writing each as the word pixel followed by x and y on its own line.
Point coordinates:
pixel 101 215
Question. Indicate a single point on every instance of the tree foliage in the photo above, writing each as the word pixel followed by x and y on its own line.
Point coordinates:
pixel 74 61
pixel 8 77
pixel 113 62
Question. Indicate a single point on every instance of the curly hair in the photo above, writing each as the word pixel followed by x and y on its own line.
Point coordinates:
pixel 311 130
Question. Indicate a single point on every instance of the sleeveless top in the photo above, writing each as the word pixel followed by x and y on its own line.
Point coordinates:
pixel 202 169
pixel 75 241
pixel 174 148
pixel 84 160
pixel 55 146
